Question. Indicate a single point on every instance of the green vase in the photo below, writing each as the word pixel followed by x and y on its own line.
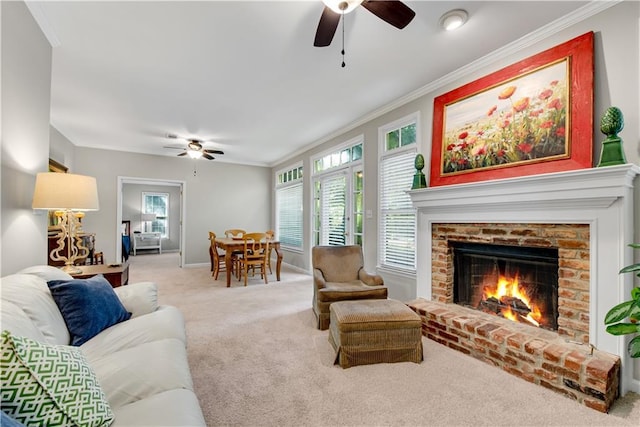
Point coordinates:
pixel 611 124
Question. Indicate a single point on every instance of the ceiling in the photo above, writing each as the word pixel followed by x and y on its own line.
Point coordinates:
pixel 244 75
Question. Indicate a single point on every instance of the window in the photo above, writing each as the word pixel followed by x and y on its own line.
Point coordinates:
pixel 338 203
pixel 396 212
pixel 157 203
pixel 289 209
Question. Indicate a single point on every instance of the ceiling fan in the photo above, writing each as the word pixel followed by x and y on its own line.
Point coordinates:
pixel 194 148
pixel 393 12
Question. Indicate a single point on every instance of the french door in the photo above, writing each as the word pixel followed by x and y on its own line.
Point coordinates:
pixel 338 207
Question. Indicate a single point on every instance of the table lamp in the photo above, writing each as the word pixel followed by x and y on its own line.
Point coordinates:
pixel 146 218
pixel 69 195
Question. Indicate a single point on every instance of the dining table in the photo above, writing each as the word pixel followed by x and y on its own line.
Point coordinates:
pixel 229 245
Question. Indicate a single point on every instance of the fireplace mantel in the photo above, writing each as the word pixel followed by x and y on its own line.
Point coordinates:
pixel 600 197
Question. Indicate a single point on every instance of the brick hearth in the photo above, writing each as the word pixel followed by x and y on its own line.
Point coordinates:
pixel 575 370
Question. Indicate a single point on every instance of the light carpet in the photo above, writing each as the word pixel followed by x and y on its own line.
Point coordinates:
pixel 257 359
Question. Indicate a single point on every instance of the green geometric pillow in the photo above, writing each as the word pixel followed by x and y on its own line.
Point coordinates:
pixel 50 385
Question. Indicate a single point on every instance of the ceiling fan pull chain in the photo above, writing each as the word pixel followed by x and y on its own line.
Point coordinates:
pixel 343 18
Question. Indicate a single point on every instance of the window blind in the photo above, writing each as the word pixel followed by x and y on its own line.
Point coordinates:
pixel 289 212
pixel 397 214
pixel 333 204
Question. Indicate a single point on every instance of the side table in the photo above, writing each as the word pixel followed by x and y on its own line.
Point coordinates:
pixel 116 274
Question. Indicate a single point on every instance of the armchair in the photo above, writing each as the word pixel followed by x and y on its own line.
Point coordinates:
pixel 339 275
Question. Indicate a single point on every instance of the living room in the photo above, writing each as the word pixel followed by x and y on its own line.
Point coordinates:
pixel 29 140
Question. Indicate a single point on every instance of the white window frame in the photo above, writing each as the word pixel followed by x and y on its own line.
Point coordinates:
pixel 280 188
pixel 385 154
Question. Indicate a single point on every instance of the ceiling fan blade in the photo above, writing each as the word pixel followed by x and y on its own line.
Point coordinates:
pixel 213 151
pixel 182 154
pixel 208 157
pixel 326 27
pixel 173 148
pixel 394 12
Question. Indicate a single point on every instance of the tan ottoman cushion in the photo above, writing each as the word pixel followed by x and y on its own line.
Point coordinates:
pixel 374 331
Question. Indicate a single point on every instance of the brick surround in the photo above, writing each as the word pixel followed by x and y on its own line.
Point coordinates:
pixel 572 241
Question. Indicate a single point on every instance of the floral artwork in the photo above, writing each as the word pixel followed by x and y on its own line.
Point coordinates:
pixel 522 120
pixel 532 117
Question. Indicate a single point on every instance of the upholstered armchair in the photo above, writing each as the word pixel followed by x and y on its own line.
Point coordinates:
pixel 339 275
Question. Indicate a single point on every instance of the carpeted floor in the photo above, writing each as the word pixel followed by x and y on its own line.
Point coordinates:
pixel 258 360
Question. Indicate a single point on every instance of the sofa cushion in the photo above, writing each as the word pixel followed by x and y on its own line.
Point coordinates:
pixel 31 294
pixel 166 322
pixel 50 385
pixel 138 372
pixel 342 291
pixel 88 306
pixel 177 407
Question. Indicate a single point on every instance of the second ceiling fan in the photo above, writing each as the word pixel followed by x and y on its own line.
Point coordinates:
pixel 393 12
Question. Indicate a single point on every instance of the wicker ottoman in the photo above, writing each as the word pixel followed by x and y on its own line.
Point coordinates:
pixel 374 331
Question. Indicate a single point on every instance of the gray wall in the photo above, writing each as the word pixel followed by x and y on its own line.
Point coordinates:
pixel 26 89
pixel 132 206
pixel 219 197
pixel 616 51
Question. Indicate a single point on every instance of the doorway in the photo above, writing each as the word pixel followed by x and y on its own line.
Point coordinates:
pixel 130 208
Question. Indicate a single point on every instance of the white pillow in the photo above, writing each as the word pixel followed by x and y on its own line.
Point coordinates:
pixel 138 298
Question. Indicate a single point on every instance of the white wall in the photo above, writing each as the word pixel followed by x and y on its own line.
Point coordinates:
pixel 617 71
pixel 61 149
pixel 26 96
pixel 219 197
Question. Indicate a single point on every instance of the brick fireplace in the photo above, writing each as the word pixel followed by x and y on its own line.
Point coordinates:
pixel 588 216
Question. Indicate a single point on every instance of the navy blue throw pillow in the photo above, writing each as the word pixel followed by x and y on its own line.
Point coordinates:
pixel 88 306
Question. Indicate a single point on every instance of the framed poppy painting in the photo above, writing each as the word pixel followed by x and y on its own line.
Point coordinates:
pixel 532 117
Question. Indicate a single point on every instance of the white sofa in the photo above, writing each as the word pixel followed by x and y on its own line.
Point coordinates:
pixel 141 363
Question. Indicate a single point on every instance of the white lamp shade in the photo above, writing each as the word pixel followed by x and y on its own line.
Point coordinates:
pixel 62 191
pixel 148 217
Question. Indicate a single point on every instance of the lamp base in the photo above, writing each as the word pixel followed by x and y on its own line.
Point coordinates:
pixel 71 269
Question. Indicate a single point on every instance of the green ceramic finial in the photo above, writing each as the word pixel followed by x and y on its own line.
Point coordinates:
pixel 611 124
pixel 419 180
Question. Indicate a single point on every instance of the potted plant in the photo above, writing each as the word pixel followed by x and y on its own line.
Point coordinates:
pixel 615 318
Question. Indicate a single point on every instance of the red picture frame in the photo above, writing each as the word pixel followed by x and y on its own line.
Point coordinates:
pixel 546 127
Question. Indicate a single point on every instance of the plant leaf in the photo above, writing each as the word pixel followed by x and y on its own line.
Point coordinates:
pixel 634 347
pixel 635 294
pixel 630 268
pixel 635 245
pixel 634 313
pixel 623 328
pixel 619 312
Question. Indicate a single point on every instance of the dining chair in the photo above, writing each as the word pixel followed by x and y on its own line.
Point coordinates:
pixel 217 259
pixel 254 254
pixel 270 236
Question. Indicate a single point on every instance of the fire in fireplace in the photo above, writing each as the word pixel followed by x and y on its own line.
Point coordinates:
pixel 515 282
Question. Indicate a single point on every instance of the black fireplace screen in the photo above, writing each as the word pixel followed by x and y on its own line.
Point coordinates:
pixel 515 282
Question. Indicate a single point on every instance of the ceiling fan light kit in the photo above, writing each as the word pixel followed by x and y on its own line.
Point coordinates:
pixel 454 19
pixel 342 6
pixel 194 154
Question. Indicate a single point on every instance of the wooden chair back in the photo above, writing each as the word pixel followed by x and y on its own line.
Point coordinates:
pixel 234 233
pixel 217 262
